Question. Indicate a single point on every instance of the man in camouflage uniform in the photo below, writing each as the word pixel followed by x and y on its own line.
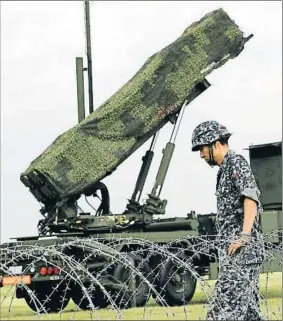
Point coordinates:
pixel 239 240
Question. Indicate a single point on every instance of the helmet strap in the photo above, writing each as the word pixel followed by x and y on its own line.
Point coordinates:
pixel 211 160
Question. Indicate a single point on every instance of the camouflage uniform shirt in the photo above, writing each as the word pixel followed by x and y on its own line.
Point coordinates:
pixel 235 181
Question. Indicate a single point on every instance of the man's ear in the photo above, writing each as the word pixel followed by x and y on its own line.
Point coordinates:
pixel 216 144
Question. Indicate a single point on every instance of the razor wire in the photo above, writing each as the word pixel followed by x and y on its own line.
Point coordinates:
pixel 105 278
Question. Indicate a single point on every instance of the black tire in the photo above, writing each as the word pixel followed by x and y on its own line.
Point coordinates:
pixel 99 300
pixel 122 273
pixel 45 299
pixel 176 283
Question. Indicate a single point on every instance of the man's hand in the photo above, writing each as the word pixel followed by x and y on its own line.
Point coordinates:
pixel 234 246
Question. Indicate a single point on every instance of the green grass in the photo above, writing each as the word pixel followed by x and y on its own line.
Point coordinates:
pixel 271 306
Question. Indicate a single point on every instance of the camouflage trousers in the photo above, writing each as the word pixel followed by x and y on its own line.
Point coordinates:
pixel 236 294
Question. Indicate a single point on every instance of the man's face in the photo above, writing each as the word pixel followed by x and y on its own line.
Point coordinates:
pixel 204 152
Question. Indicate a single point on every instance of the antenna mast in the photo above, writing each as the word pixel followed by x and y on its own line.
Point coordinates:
pixel 89 61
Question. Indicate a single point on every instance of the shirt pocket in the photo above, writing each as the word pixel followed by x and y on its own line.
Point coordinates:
pixel 223 190
pixel 225 198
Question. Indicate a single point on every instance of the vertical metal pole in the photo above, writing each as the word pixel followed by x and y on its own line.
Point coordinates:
pixel 89 61
pixel 80 88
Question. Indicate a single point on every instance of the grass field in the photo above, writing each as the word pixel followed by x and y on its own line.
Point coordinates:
pixel 271 305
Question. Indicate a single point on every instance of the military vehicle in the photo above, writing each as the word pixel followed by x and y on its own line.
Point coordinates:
pixel 75 164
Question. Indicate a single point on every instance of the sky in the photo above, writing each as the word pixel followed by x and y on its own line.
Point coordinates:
pixel 39 43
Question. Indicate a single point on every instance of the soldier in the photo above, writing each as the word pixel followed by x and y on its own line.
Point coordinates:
pixel 240 243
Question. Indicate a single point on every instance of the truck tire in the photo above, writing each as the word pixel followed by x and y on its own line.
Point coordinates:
pixel 97 297
pixel 122 273
pixel 45 298
pixel 176 283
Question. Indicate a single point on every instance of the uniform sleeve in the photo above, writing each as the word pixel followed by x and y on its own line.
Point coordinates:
pixel 243 179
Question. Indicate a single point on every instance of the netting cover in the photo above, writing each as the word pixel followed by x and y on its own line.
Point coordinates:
pixel 89 151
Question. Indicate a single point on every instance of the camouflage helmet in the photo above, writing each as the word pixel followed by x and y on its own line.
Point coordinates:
pixel 207 133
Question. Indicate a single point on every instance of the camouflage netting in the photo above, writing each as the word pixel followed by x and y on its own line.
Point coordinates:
pixel 88 152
